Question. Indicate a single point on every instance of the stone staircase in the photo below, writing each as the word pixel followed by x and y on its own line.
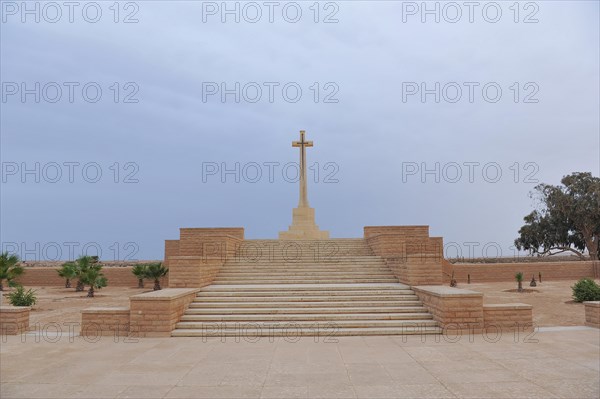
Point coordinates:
pixel 330 287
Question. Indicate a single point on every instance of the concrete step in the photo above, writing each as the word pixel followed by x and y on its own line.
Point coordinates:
pixel 276 310
pixel 301 255
pixel 306 266
pixel 309 317
pixel 303 243
pixel 325 288
pixel 315 304
pixel 291 332
pixel 328 293
pixel 236 325
pixel 298 274
pixel 306 287
pixel 236 281
pixel 334 279
pixel 312 266
pixel 305 262
pixel 286 298
pixel 339 271
pixel 253 255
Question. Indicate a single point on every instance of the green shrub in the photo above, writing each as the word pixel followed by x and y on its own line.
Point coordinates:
pixel 519 278
pixel 94 277
pixel 20 297
pixel 586 289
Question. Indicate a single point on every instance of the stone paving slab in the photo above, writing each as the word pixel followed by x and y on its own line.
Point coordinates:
pixel 546 364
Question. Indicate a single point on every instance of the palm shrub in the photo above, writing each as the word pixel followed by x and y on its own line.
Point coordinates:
pixel 9 269
pixel 94 277
pixel 82 264
pixel 155 271
pixel 140 272
pixel 20 297
pixel 586 289
pixel 68 271
pixel 519 278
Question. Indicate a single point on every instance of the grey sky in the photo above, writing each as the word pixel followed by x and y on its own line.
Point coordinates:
pixel 369 133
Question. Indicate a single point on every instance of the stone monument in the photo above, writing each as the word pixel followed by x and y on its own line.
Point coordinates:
pixel 303 225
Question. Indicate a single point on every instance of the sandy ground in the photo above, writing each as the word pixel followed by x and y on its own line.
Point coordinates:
pixel 552 302
pixel 64 305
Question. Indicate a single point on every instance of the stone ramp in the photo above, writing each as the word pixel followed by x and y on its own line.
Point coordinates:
pixel 352 293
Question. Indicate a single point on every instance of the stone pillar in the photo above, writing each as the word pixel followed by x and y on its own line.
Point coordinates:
pixel 592 313
pixel 14 319
pixel 156 313
pixel 414 257
pixel 456 310
pixel 195 259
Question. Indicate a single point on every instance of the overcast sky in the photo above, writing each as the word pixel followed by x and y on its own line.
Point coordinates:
pixel 361 68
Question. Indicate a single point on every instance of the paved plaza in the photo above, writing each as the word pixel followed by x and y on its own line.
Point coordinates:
pixel 558 362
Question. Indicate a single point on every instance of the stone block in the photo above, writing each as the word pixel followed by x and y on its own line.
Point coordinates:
pixel 592 313
pixel 14 319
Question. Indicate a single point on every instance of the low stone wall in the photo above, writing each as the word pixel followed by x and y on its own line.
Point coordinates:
pixel 498 272
pixel 592 314
pixel 460 310
pixel 507 317
pixel 105 322
pixel 35 276
pixel 14 319
pixel 454 308
pixel 155 314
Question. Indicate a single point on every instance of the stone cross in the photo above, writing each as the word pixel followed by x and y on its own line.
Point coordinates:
pixel 303 201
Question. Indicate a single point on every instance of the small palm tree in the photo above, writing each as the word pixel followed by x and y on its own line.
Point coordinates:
pixel 10 269
pixel 82 264
pixel 68 271
pixel 140 272
pixel 94 277
pixel 155 271
pixel 519 278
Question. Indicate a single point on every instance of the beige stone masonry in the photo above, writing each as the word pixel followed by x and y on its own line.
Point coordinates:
pixel 192 271
pixel 195 259
pixel 14 319
pixel 406 231
pixel 414 257
pixel 454 308
pixel 592 314
pixel 107 321
pixel 463 310
pixel 155 314
pixel 209 242
pixel 303 226
pixel 507 317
